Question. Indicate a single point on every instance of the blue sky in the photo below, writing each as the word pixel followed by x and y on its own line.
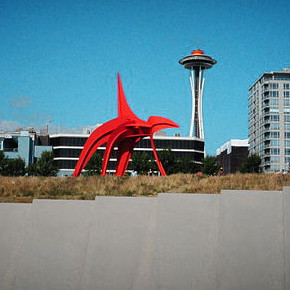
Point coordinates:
pixel 59 59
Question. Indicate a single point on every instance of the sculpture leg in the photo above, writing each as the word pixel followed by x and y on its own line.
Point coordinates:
pixel 159 164
pixel 125 150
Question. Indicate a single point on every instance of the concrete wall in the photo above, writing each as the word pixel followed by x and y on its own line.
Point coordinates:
pixel 38 150
pixel 235 240
pixel 25 148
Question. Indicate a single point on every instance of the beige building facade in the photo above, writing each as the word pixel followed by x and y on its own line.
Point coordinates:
pixel 269 120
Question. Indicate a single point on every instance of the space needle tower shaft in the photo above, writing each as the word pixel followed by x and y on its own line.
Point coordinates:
pixel 197 62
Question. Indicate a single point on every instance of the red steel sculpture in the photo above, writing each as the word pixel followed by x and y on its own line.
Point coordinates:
pixel 123 132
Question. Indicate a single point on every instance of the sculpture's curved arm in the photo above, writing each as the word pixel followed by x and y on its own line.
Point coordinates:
pixel 110 144
pixel 94 141
pixel 159 123
pixel 87 153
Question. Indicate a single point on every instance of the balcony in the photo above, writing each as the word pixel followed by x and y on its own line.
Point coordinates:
pixel 265 121
pixel 10 149
pixel 266 112
pixel 265 104
pixel 267 144
pixel 265 95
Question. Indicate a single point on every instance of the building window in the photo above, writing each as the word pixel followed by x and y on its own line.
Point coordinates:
pixel 275 167
pixel 276 135
pixel 275 126
pixel 274 86
pixel 264 79
pixel 275 143
pixel 287 143
pixel 282 77
pixel 287 135
pixel 274 110
pixel 274 94
pixel 286 94
pixel 274 117
pixel 275 151
pixel 287 151
pixel 274 102
pixel 287 118
pixel 275 159
pixel 286 86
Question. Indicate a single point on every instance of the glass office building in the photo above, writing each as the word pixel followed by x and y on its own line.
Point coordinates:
pixel 269 120
pixel 67 149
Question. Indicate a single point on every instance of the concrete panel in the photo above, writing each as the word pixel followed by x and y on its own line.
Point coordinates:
pixel 251 241
pixel 13 221
pixel 186 242
pixel 121 244
pixel 236 240
pixel 55 247
pixel 247 192
pixel 286 189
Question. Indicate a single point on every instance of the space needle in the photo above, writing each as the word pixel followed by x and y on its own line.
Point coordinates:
pixel 197 62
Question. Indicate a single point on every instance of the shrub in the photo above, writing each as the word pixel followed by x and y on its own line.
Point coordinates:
pixel 251 165
pixel 45 165
pixel 94 165
pixel 11 167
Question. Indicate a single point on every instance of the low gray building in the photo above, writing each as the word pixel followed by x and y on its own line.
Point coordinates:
pixel 26 144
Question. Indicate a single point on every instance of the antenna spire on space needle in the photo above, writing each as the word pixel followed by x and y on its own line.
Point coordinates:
pixel 196 63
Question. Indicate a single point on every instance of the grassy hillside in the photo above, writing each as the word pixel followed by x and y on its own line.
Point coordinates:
pixel 24 189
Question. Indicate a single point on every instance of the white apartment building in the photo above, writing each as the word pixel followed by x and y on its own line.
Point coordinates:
pixel 269 120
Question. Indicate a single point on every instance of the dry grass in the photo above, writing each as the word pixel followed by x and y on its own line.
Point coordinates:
pixel 24 189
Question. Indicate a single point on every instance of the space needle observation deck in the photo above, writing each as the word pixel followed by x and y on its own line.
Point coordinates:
pixel 197 62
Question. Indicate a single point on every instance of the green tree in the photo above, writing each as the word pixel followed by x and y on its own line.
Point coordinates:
pixel 141 162
pixel 12 167
pixel 18 167
pixel 168 161
pixel 3 160
pixel 31 169
pixel 185 165
pixel 45 165
pixel 210 165
pixel 94 165
pixel 251 164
